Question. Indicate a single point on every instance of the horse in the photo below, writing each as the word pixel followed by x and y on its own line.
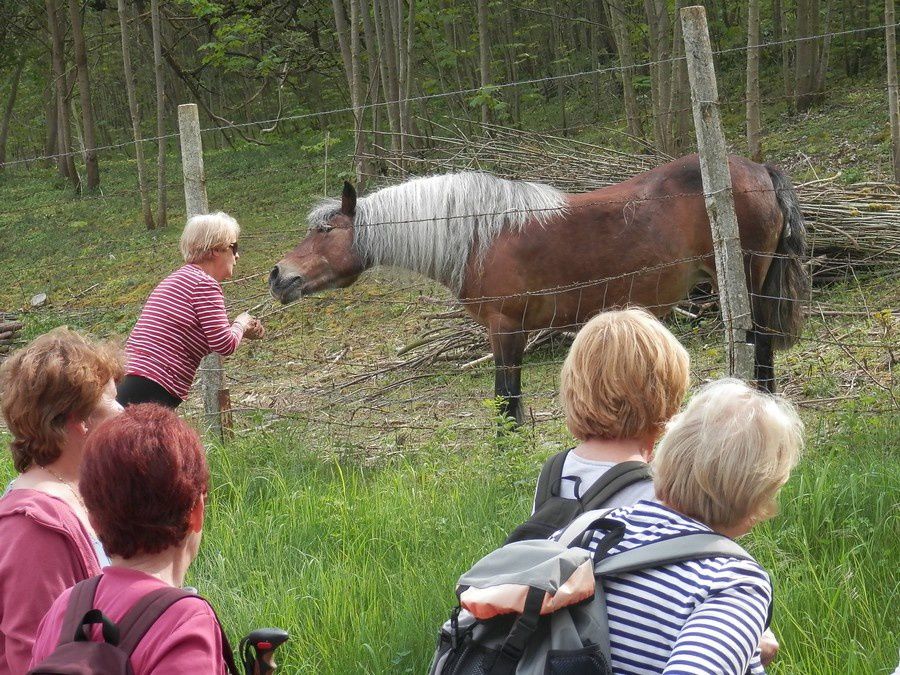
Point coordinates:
pixel 522 256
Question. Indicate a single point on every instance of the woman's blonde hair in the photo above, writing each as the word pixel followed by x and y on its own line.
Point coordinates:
pixel 624 377
pixel 57 376
pixel 205 233
pixel 725 457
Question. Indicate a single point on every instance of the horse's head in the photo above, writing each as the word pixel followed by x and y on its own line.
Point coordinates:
pixel 326 258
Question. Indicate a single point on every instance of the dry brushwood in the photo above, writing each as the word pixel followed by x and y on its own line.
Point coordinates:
pixel 9 328
pixel 849 225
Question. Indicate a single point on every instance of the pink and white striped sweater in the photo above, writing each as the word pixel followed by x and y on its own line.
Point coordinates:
pixel 183 320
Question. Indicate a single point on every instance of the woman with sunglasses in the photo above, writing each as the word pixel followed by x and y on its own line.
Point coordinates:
pixel 184 319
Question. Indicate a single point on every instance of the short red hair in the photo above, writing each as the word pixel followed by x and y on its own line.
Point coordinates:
pixel 142 474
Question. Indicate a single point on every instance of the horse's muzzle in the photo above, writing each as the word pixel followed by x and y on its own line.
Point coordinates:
pixel 285 287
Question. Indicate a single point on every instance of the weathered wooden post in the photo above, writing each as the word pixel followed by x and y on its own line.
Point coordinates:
pixel 733 298
pixel 212 373
pixel 890 43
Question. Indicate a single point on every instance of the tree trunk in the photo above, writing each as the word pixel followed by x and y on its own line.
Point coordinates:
pixel 824 52
pixel 358 94
pixel 407 47
pixel 557 51
pixel 386 46
pixel 782 34
pixel 626 60
pixel 658 25
pixel 92 167
pixel 680 91
pixel 7 113
pixel 64 162
pixel 594 33
pixel 50 142
pixel 373 61
pixel 162 217
pixel 754 148
pixel 349 44
pixel 484 58
pixel 807 52
pixel 135 118
pixel 893 104
pixel 511 67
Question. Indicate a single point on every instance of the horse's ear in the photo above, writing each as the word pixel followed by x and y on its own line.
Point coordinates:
pixel 348 200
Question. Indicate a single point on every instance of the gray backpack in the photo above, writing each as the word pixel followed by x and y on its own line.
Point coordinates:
pixel 538 607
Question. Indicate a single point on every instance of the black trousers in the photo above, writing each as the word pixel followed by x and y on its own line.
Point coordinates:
pixel 136 389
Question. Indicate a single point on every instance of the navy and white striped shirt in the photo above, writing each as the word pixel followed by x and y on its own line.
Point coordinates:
pixel 696 617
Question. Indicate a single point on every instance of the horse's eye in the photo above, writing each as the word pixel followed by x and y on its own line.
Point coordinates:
pixel 323 228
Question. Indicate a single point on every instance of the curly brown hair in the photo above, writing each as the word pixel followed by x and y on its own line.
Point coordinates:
pixel 60 375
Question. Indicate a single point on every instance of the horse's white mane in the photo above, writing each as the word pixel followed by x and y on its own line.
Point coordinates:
pixel 431 224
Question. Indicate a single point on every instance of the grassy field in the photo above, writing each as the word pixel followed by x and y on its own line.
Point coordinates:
pixel 345 513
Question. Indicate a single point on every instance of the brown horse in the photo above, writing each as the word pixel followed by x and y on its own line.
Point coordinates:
pixel 522 256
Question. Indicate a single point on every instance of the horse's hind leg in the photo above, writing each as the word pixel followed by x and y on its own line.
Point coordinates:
pixel 508 345
pixel 764 368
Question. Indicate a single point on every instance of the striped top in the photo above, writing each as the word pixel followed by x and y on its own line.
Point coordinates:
pixel 183 320
pixel 697 617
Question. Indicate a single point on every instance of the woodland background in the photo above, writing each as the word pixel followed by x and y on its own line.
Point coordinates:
pixel 393 69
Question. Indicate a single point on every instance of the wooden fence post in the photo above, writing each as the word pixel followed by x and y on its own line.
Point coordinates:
pixel 890 42
pixel 212 373
pixel 717 189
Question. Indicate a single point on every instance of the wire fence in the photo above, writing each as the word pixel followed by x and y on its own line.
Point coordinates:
pixel 396 358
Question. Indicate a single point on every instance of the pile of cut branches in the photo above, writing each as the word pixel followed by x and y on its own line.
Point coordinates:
pixel 851 227
pixel 9 327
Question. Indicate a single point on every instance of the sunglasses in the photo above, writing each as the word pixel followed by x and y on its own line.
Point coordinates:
pixel 234 248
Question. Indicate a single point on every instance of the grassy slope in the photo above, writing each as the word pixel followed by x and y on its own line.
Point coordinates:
pixel 359 562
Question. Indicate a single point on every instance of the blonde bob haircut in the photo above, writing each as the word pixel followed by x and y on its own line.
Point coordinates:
pixel 57 377
pixel 624 377
pixel 205 233
pixel 723 460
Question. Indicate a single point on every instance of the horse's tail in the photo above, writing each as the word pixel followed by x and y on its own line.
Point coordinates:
pixel 786 287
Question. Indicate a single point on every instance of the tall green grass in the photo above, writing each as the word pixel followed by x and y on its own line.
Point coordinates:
pixel 359 564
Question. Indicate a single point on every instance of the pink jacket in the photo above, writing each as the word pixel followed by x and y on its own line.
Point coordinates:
pixel 45 549
pixel 185 639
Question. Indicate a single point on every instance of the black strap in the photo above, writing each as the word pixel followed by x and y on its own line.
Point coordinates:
pixel 549 480
pixel 519 635
pixel 617 478
pixel 110 630
pixel 81 601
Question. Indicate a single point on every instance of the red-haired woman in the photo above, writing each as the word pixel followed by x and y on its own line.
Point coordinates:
pixel 145 480
pixel 55 391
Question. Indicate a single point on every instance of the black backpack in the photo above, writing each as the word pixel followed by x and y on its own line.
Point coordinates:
pixel 552 512
pixel 77 654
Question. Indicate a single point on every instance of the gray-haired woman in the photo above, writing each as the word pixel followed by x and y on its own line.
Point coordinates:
pixel 184 319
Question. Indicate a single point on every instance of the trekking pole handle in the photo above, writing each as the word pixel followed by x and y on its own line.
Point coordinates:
pixel 264 642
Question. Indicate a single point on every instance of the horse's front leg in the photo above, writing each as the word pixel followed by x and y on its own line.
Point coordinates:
pixel 508 345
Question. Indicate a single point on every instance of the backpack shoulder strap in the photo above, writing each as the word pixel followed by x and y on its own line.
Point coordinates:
pixel 548 482
pixel 578 527
pixel 81 601
pixel 616 478
pixel 146 611
pixel 697 546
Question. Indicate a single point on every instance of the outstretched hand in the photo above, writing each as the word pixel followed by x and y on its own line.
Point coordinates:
pixel 255 331
pixel 253 328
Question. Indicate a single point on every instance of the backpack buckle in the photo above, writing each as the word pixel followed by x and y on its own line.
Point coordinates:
pixel 454 626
